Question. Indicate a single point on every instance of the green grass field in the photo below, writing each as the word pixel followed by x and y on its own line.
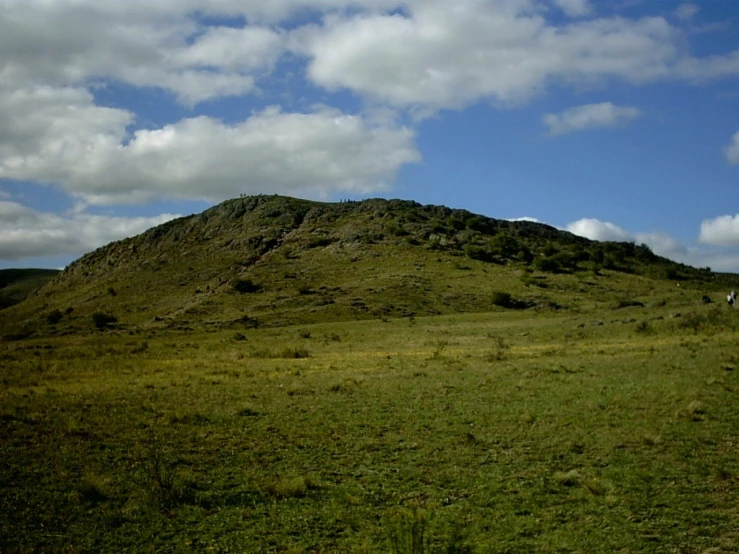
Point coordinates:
pixel 593 430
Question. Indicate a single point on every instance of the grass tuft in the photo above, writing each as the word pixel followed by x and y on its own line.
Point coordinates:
pixel 567 478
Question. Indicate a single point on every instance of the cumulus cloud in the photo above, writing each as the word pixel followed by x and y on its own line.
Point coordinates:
pixel 69 44
pixel 88 152
pixel 574 8
pixel 42 122
pixel 426 54
pixel 27 233
pixel 448 55
pixel 723 231
pixel 525 218
pixel 589 116
pixel 595 229
pixel 732 150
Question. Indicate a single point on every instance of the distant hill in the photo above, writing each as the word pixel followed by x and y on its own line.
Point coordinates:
pixel 273 260
pixel 17 284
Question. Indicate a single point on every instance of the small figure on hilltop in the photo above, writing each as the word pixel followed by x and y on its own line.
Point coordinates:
pixel 732 299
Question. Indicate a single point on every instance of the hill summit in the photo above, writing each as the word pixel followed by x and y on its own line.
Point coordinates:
pixel 274 260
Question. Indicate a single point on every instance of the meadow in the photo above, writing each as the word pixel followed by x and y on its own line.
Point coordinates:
pixel 602 430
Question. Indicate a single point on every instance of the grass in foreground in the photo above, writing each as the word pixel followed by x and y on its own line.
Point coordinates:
pixel 506 432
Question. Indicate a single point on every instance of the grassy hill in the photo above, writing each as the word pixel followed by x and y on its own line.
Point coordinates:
pixel 271 260
pixel 371 377
pixel 17 284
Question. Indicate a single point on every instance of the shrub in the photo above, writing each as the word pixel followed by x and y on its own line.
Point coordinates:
pixel 245 286
pixel 249 322
pixel 54 317
pixel 477 253
pixel 505 246
pixel 549 249
pixel 103 321
pixel 398 230
pixel 549 265
pixel 502 299
pixel 672 274
pixel 316 242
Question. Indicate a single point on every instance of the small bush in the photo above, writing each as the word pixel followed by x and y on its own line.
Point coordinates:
pixel 479 253
pixel 547 264
pixel 316 242
pixel 104 321
pixel 397 230
pixel 54 317
pixel 249 322
pixel 245 286
pixel 502 299
pixel 155 474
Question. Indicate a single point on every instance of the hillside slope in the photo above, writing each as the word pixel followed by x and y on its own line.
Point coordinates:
pixel 17 284
pixel 272 260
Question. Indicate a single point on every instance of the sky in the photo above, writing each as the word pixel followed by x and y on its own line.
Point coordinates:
pixel 615 120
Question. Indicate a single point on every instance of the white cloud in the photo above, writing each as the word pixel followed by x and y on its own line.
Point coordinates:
pixel 234 49
pixel 85 151
pixel 699 70
pixel 687 11
pixel 663 244
pixel 27 233
pixel 732 150
pixel 49 123
pixel 70 44
pixel 723 231
pixel 448 55
pixel 148 43
pixel 595 229
pixel 574 8
pixel 525 218
pixel 589 116
pixel 425 54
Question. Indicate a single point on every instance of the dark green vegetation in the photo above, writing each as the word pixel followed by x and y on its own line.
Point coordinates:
pixel 330 395
pixel 17 284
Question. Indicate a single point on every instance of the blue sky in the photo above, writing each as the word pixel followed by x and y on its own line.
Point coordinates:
pixel 616 120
